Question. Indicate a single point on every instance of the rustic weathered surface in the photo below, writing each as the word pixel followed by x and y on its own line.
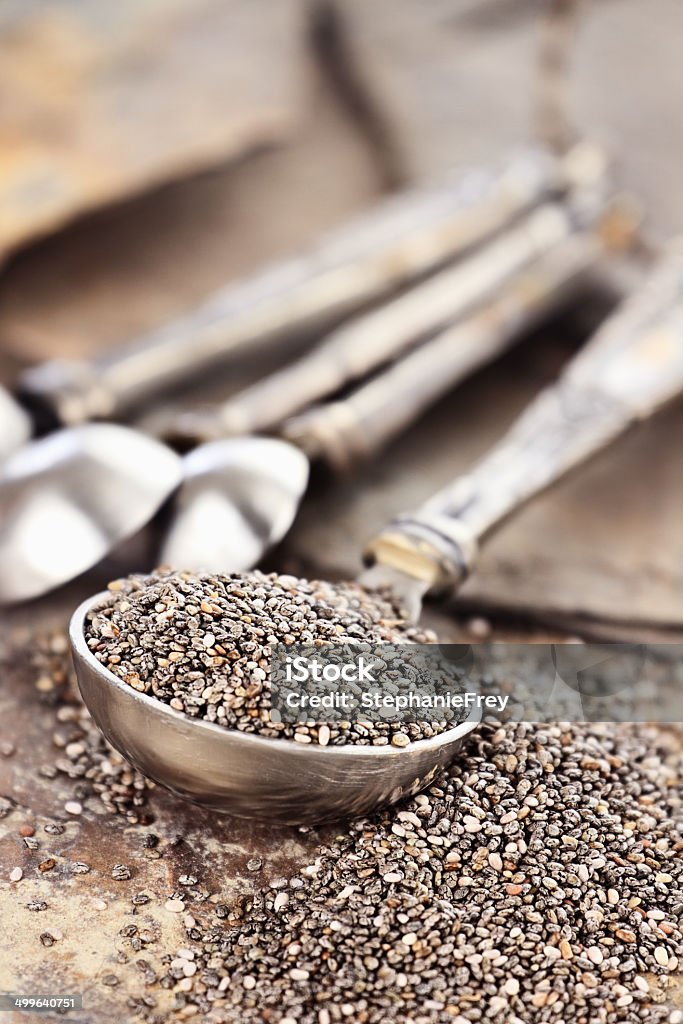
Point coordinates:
pixel 452 89
pixel 607 541
pixel 101 100
pixel 454 81
pixel 192 842
pixel 126 270
pixel 106 947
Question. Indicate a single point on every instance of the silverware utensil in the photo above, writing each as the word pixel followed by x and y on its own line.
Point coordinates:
pixel 70 498
pixel 240 496
pixel 358 347
pixel 243 774
pixel 399 239
pixel 631 367
pixel 223 490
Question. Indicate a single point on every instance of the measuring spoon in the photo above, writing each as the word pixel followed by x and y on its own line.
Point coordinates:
pixel 400 238
pixel 353 350
pixel 224 487
pixel 68 499
pixel 631 368
pixel 241 495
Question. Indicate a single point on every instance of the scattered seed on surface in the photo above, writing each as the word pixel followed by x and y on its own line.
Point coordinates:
pixel 661 956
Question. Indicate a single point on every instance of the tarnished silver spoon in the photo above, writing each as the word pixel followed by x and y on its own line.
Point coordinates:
pixel 15 425
pixel 241 495
pixel 223 488
pixel 403 237
pixel 631 368
pixel 400 238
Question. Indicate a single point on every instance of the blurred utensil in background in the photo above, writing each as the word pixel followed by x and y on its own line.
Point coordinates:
pixel 400 239
pixel 240 496
pixel 15 425
pixel 361 345
pixel 54 462
pixel 631 367
pixel 68 499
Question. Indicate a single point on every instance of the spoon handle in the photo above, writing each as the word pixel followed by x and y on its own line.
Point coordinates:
pixel 400 239
pixel 359 347
pixel 356 427
pixel 631 368
pixel 369 341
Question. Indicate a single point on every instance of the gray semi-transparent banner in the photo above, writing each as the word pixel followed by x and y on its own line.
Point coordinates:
pixel 361 682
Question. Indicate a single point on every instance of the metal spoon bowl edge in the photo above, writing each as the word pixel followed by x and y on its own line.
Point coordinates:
pixel 243 774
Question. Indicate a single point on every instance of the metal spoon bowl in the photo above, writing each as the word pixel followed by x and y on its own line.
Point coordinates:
pixel 238 498
pixel 15 426
pixel 68 499
pixel 246 775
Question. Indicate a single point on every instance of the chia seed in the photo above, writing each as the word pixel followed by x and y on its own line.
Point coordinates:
pixel 203 645
pixel 409 915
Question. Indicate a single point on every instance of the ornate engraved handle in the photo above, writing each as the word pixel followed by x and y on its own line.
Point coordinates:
pixel 631 368
pixel 403 238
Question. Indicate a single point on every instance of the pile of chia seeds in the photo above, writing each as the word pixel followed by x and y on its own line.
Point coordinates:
pixel 203 645
pixel 82 754
pixel 540 881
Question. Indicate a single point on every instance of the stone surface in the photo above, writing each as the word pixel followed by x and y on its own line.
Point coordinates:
pixel 452 80
pixel 103 100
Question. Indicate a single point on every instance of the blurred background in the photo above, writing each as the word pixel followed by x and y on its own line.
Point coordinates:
pixel 152 151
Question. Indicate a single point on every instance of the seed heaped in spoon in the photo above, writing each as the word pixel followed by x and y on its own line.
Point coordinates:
pixel 203 645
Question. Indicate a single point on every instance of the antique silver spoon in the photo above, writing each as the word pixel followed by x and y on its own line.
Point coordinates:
pixel 222 488
pixel 15 425
pixel 631 368
pixel 70 498
pixel 401 238
pixel 241 495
